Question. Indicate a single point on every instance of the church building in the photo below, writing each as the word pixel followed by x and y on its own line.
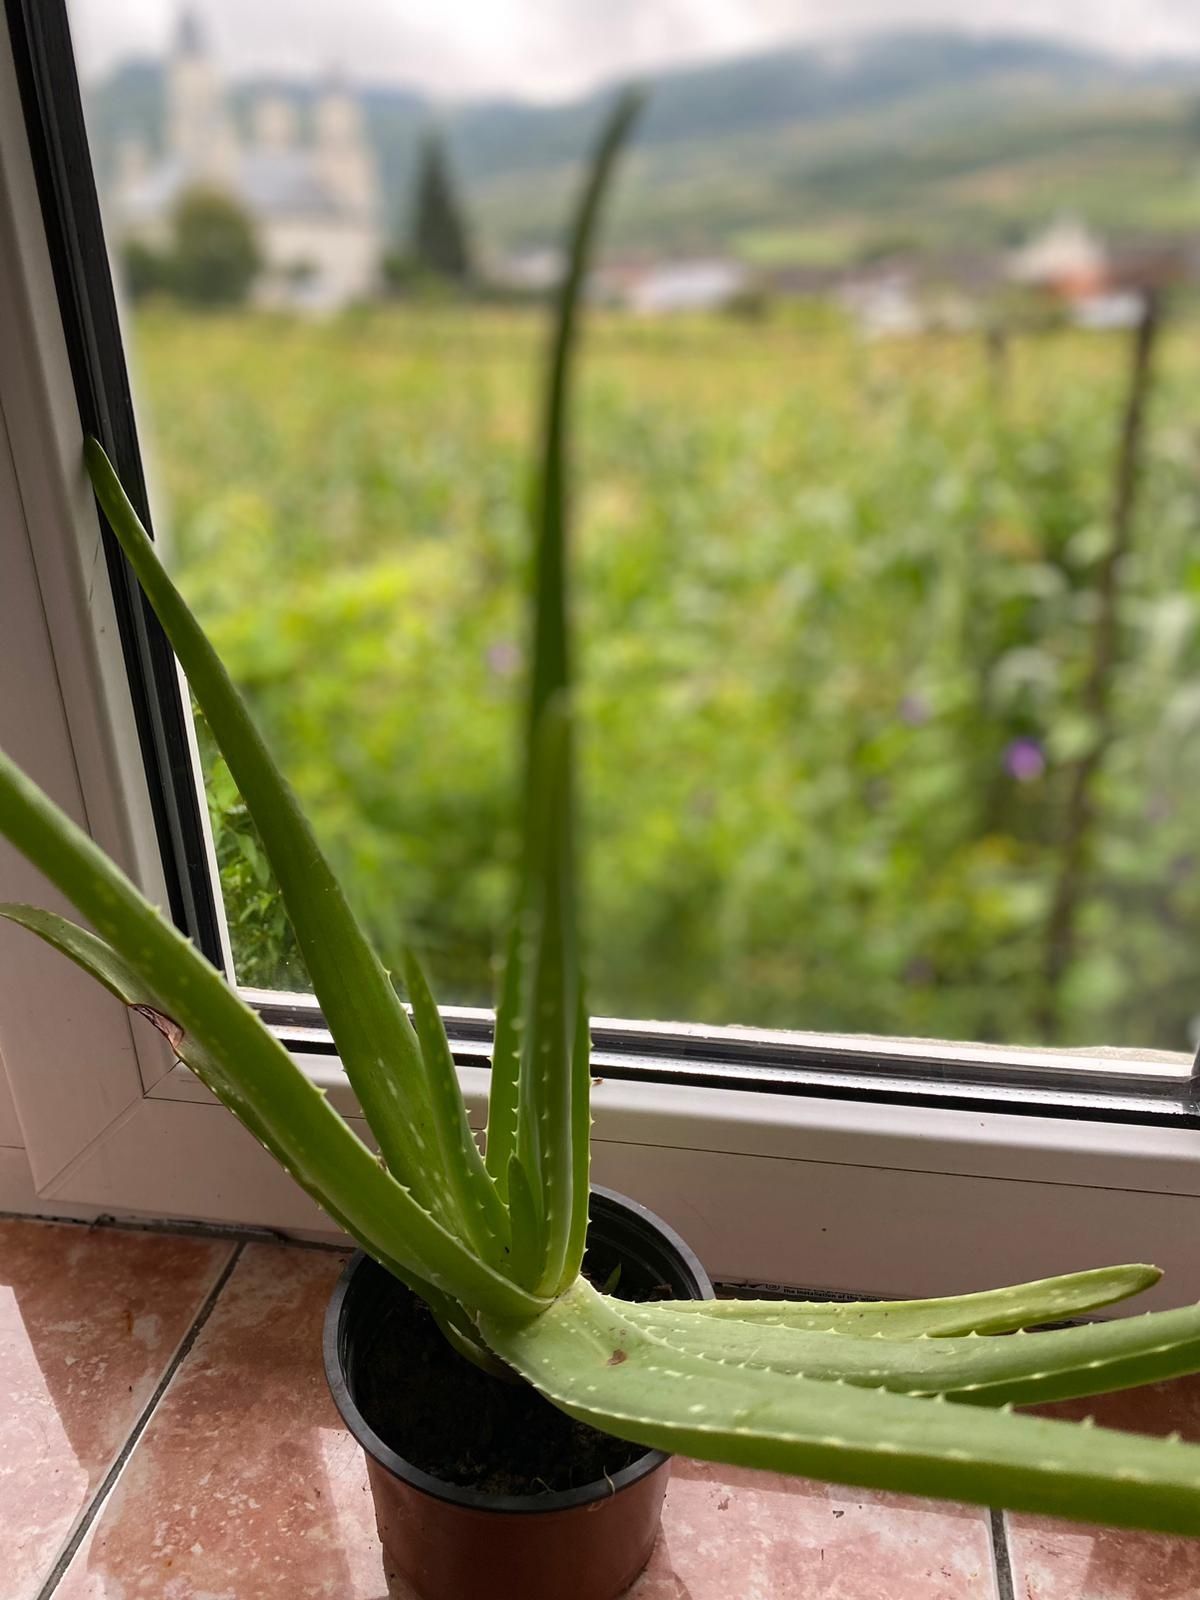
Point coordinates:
pixel 312 194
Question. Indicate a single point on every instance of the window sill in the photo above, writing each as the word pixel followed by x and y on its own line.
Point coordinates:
pixel 789 1189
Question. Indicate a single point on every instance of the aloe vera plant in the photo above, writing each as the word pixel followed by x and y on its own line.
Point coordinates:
pixel 914 1396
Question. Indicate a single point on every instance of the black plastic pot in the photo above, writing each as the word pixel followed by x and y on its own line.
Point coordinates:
pixel 449 1542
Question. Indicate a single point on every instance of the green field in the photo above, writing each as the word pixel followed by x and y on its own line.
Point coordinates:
pixel 824 589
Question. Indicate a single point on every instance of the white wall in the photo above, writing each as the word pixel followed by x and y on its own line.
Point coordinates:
pixel 344 254
pixel 10 1128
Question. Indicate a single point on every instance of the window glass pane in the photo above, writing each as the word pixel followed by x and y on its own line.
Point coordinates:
pixel 891 668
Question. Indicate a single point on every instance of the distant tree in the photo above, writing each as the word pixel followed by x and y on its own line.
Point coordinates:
pixel 216 256
pixel 144 270
pixel 439 234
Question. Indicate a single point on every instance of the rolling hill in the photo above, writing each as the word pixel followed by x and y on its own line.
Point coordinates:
pixel 918 142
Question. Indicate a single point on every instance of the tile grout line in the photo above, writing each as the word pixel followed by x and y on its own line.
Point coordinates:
pixel 97 1502
pixel 1001 1559
pixel 181 1227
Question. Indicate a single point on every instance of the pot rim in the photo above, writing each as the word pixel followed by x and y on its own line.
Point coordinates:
pixel 477 1499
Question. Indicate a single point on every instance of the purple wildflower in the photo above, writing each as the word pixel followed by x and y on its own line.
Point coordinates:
pixel 1158 808
pixel 1024 760
pixel 503 658
pixel 914 710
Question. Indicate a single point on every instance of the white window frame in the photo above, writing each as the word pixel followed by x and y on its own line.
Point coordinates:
pixel 817 1187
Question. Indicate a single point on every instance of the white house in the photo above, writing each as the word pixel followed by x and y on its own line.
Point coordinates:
pixel 681 286
pixel 884 305
pixel 1065 257
pixel 315 202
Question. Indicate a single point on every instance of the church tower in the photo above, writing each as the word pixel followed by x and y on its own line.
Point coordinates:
pixel 199 133
pixel 342 155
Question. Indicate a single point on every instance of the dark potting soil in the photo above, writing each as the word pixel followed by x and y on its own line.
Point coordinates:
pixel 460 1425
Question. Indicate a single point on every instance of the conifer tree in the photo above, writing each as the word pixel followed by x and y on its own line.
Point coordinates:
pixel 439 235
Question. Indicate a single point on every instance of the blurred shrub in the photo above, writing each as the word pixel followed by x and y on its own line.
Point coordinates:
pixel 212 258
pixel 215 256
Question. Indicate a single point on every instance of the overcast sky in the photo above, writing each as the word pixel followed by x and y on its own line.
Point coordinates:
pixel 550 48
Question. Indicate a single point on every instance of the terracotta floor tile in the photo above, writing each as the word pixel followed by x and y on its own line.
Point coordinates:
pixel 731 1534
pixel 245 1485
pixel 1055 1560
pixel 89 1320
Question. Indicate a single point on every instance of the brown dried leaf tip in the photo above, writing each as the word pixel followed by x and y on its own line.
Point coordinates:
pixel 167 1026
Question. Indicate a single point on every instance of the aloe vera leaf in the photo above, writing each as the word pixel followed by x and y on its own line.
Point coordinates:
pixel 546 1082
pixel 581 1140
pixel 550 1084
pixel 463 1336
pixel 1023 1305
pixel 527 1250
pixel 551 659
pixel 148 964
pixel 506 1063
pixel 475 1197
pixel 375 1039
pixel 588 1356
pixel 1016 1369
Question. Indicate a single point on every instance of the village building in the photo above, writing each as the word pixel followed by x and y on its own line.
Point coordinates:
pixel 1101 286
pixel 679 286
pixel 1065 259
pixel 668 287
pixel 313 196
